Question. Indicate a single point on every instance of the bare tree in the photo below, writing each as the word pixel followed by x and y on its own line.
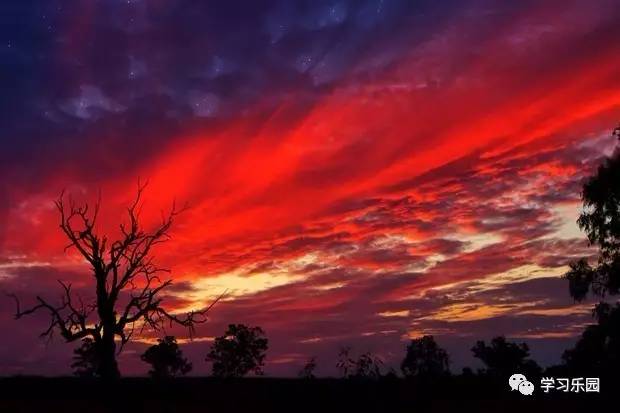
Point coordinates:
pixel 125 279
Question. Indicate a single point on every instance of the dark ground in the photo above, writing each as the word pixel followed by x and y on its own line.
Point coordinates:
pixel 189 395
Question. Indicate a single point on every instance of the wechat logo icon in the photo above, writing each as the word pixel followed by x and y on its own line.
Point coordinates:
pixel 519 382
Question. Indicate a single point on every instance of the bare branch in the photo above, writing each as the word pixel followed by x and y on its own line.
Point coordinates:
pixel 121 268
pixel 70 325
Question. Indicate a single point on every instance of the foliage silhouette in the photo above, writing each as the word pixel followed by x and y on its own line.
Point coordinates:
pixel 345 363
pixel 85 359
pixel 467 372
pixel 166 359
pixel 503 358
pixel 241 350
pixel 600 220
pixel 425 359
pixel 307 371
pixel 126 283
pixel 366 366
pixel 598 349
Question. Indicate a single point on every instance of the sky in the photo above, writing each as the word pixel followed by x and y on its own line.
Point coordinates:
pixel 357 173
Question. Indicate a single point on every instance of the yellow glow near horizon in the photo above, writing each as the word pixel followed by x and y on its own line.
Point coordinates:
pixel 470 312
pixel 402 313
pixel 235 284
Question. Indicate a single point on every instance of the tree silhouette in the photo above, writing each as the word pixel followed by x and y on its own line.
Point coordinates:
pixel 85 359
pixel 365 366
pixel 241 350
pixel 307 371
pixel 503 358
pixel 345 363
pixel 166 359
pixel 425 359
pixel 598 349
pixel 368 366
pixel 125 280
pixel 600 220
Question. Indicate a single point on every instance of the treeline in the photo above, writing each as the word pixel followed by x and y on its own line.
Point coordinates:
pixel 242 350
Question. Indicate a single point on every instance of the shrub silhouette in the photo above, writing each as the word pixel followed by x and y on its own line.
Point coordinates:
pixel 345 363
pixel 365 366
pixel 425 359
pixel 85 359
pixel 368 366
pixel 241 350
pixel 166 359
pixel 503 358
pixel 307 371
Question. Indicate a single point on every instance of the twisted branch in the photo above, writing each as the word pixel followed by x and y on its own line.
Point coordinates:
pixel 123 266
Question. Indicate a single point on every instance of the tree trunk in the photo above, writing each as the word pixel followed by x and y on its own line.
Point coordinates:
pixel 108 368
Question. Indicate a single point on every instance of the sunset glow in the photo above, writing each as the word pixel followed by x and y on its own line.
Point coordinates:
pixel 357 174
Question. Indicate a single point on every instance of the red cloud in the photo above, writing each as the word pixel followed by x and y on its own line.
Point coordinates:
pixel 374 192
